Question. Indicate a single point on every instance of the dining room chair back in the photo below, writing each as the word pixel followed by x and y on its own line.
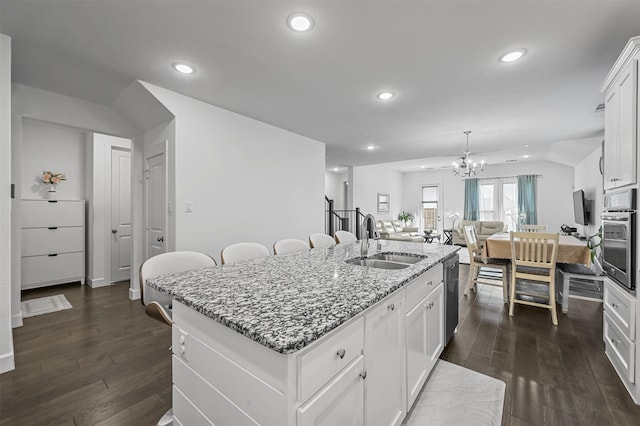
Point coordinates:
pixel 321 240
pixel 345 237
pixel 533 228
pixel 533 260
pixel 483 270
pixel 158 305
pixel 243 251
pixel 289 245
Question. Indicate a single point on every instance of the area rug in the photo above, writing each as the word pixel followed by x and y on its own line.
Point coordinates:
pixel 464 255
pixel 455 395
pixel 45 305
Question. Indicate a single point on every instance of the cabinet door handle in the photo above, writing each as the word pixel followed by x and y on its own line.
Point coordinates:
pixel 614 305
pixel 160 239
pixel 363 375
pixel 52 201
pixel 391 306
pixel 52 227
pixel 53 255
pixel 430 283
pixel 114 231
pixel 341 353
pixel 615 342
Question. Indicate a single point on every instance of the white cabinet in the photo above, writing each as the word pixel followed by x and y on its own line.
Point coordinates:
pixel 424 329
pixel 619 332
pixel 621 119
pixel 384 351
pixel 338 403
pixel 53 240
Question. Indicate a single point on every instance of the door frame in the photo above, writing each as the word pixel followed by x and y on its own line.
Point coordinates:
pixel 149 152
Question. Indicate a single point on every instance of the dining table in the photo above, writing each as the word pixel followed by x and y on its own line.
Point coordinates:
pixel 571 250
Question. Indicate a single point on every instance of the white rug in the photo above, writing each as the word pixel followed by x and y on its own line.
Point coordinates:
pixel 464 255
pixel 455 395
pixel 45 305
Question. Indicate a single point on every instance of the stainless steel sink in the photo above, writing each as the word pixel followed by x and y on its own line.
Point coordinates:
pixel 402 258
pixel 377 263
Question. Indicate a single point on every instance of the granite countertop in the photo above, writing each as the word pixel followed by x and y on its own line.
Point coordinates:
pixel 285 302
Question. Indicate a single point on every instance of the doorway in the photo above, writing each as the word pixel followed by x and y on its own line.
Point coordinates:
pixel 431 208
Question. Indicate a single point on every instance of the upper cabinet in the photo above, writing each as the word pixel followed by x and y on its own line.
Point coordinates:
pixel 620 90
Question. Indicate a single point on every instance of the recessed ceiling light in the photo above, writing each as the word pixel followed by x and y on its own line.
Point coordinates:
pixel 300 22
pixel 526 156
pixel 423 167
pixel 335 169
pixel 183 68
pixel 370 147
pixel 526 146
pixel 513 56
pixel 385 96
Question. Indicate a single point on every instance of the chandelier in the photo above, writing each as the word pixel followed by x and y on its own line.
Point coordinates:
pixel 464 166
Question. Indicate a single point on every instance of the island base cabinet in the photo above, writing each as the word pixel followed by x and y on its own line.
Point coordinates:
pixel 385 402
pixel 341 402
pixel 435 326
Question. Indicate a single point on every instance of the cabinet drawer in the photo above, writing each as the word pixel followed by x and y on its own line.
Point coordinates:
pixel 45 213
pixel 621 307
pixel 619 349
pixel 318 364
pixel 39 241
pixel 41 269
pixel 422 286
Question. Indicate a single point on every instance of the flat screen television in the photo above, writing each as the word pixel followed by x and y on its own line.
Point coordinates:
pixel 579 208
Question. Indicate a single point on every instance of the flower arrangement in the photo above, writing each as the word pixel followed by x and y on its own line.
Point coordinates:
pixel 52 178
pixel 453 217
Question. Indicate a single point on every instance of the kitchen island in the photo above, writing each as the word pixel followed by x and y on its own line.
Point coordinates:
pixel 306 338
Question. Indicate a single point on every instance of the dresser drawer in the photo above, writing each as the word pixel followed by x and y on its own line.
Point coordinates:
pixel 46 213
pixel 39 241
pixel 422 286
pixel 621 307
pixel 620 350
pixel 318 364
pixel 40 269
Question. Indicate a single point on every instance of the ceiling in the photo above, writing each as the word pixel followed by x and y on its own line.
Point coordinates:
pixel 440 58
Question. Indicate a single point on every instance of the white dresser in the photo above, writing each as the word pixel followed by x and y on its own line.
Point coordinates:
pixel 52 242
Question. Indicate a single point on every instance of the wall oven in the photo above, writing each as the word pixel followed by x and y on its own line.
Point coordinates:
pixel 619 237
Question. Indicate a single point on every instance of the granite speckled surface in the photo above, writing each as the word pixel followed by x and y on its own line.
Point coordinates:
pixel 285 302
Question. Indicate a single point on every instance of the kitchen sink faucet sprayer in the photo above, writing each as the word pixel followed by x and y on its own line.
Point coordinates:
pixel 369 226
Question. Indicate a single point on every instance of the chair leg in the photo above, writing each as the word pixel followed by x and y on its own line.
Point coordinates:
pixel 512 298
pixel 552 301
pixel 505 285
pixel 473 272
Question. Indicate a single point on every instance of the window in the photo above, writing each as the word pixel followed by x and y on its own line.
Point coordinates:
pixel 499 201
pixel 430 205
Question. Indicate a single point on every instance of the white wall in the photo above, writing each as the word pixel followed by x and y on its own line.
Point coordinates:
pixel 56 148
pixel 368 181
pixel 334 188
pixel 246 180
pixel 555 188
pixel 30 106
pixel 588 178
pixel 6 337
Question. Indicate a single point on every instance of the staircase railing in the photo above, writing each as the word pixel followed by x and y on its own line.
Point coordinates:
pixel 341 220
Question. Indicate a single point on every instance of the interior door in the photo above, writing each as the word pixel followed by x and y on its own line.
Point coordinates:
pixel 121 238
pixel 156 199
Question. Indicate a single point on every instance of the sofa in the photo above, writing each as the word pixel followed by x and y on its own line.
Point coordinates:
pixel 394 230
pixel 484 229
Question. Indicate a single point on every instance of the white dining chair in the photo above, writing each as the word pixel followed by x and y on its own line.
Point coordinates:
pixel 242 251
pixel 345 237
pixel 321 240
pixel 477 262
pixel 289 245
pixel 532 228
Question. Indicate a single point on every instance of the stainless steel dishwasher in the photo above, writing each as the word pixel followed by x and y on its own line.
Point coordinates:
pixel 451 278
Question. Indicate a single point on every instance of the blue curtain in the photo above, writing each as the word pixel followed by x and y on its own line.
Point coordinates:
pixel 527 211
pixel 471 199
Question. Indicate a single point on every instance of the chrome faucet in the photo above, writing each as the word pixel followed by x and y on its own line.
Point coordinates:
pixel 369 225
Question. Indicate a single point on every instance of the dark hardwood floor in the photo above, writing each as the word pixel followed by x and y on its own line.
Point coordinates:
pixel 105 362
pixel 554 375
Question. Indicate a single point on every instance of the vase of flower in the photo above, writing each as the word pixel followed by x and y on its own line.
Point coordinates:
pixel 51 179
pixel 51 192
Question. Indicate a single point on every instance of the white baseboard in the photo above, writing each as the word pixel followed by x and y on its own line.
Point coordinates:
pixel 16 320
pixel 134 294
pixel 7 362
pixel 97 282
